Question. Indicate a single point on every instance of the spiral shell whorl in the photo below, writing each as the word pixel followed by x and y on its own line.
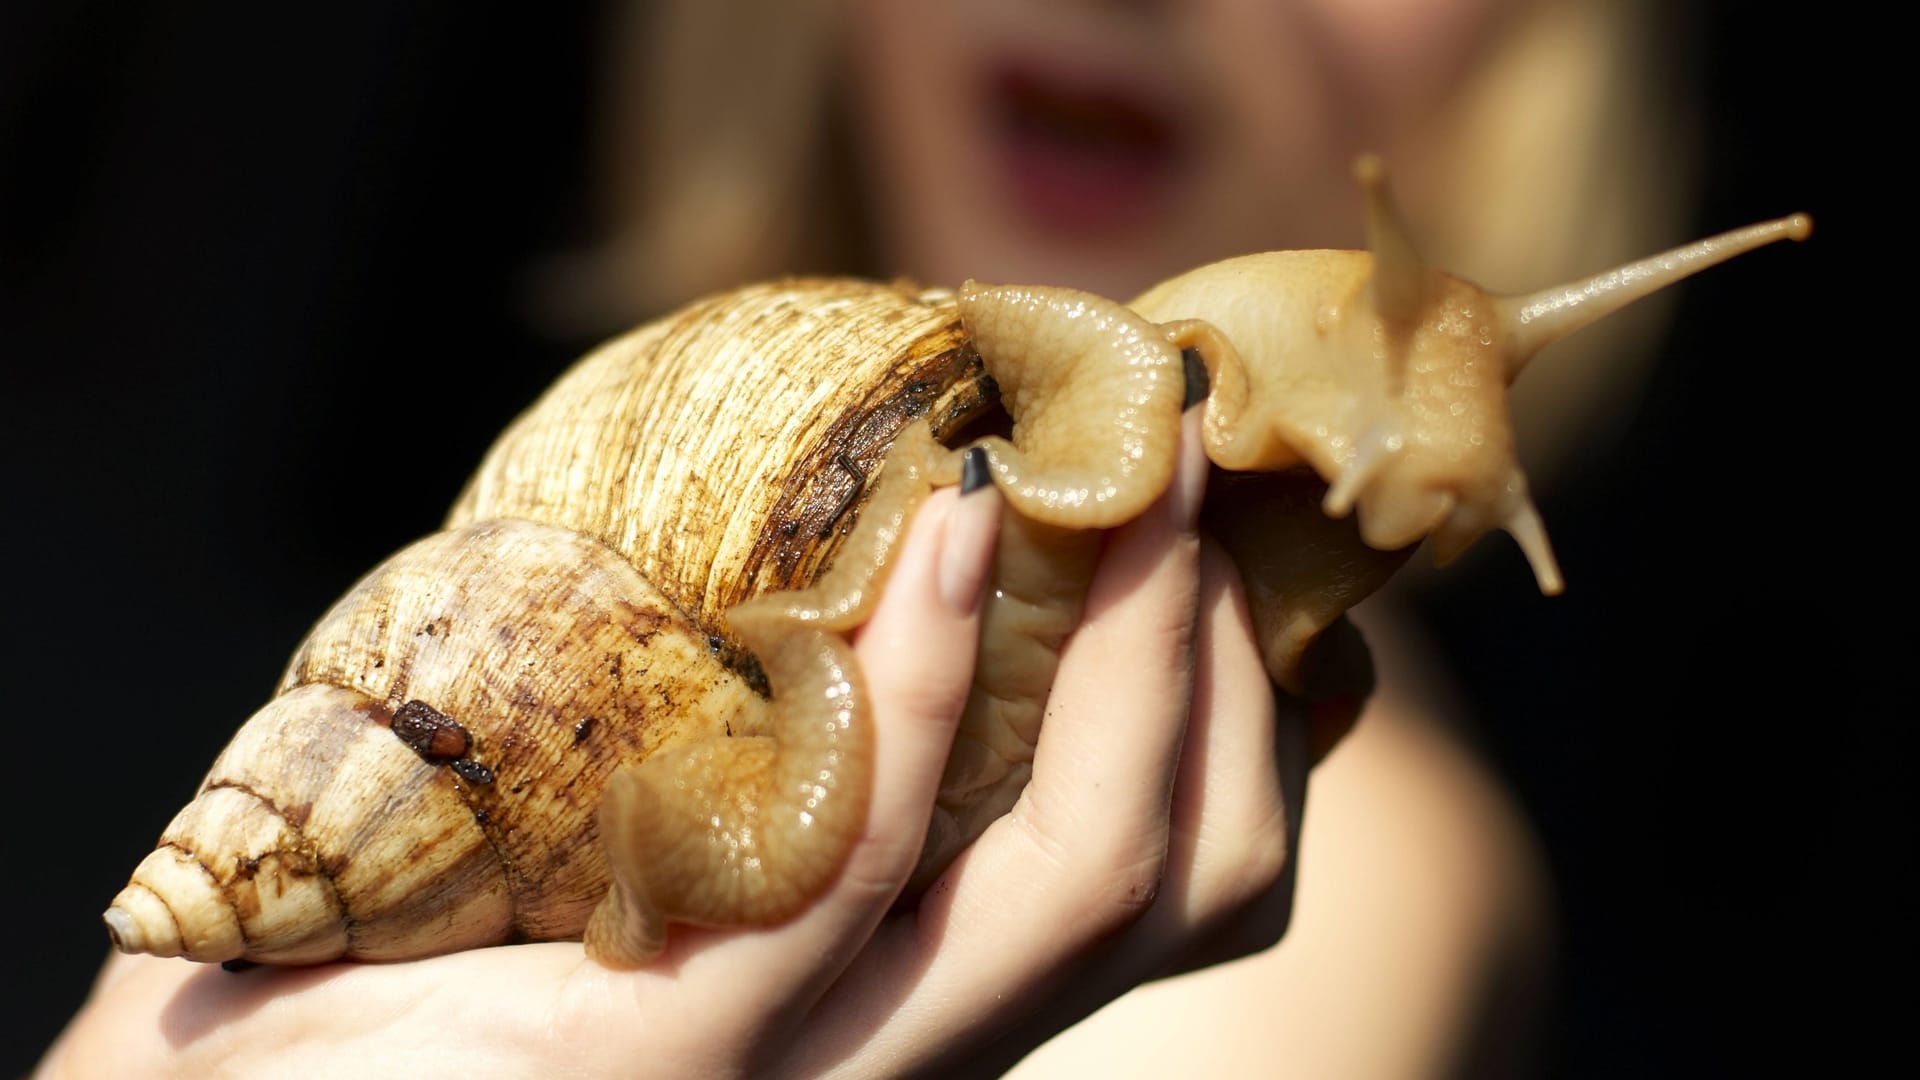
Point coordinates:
pixel 712 448
pixel 570 622
pixel 431 777
pixel 283 853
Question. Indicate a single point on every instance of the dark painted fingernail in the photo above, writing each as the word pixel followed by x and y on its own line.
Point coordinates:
pixel 1197 382
pixel 973 471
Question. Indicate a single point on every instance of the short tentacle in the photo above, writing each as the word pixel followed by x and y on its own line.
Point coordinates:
pixel 1389 378
pixel 1373 453
pixel 1524 525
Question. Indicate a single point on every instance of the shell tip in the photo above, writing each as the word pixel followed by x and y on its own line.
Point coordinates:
pixel 173 907
pixel 1799 226
pixel 139 922
pixel 122 931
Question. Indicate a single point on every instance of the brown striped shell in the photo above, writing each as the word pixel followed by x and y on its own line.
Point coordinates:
pixel 570 620
pixel 614 693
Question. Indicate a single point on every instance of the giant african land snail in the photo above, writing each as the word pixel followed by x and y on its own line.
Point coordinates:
pixel 553 717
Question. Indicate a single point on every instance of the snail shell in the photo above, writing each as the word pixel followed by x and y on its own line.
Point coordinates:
pixel 613 694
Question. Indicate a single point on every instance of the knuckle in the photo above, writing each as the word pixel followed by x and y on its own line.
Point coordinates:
pixel 878 868
pixel 1110 883
pixel 1241 869
pixel 1255 897
pixel 1120 890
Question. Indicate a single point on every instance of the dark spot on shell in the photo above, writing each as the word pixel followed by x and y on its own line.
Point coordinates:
pixel 790 528
pixel 431 733
pixel 851 468
pixel 481 817
pixel 713 643
pixel 472 771
pixel 582 729
pixel 237 966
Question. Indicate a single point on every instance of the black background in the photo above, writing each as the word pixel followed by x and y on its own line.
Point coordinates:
pixel 262 295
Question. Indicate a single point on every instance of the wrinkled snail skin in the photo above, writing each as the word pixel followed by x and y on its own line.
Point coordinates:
pixel 616 693
pixel 1389 378
pixel 1040 578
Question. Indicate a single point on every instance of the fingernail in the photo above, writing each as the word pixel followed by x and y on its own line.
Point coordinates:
pixel 1198 384
pixel 973 470
pixel 1189 486
pixel 966 551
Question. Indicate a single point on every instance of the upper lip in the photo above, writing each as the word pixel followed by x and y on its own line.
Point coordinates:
pixel 1088 108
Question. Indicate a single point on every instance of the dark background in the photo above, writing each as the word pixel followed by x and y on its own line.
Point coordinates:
pixel 262 306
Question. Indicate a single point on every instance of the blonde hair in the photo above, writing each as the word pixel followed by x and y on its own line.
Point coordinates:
pixel 1561 152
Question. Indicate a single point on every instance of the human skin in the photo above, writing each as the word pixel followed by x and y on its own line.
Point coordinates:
pixel 918 992
pixel 1157 835
pixel 1107 146
pixel 1422 887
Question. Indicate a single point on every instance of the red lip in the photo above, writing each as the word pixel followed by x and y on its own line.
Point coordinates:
pixel 1082 154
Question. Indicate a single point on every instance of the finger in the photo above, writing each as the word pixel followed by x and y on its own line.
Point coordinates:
pixel 1013 918
pixel 1239 795
pixel 717 984
pixel 917 692
pixel 1227 886
pixel 1088 838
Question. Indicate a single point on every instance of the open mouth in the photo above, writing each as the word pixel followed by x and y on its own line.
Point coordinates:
pixel 1082 154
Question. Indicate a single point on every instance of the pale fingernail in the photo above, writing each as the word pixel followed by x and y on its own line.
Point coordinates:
pixel 966 551
pixel 1189 487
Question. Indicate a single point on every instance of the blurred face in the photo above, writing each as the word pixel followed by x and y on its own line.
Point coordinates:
pixel 1110 143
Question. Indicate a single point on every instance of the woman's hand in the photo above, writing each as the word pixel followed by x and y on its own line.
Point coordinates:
pixel 1157 835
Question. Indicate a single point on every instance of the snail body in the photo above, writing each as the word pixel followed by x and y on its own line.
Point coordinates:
pixel 615 692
